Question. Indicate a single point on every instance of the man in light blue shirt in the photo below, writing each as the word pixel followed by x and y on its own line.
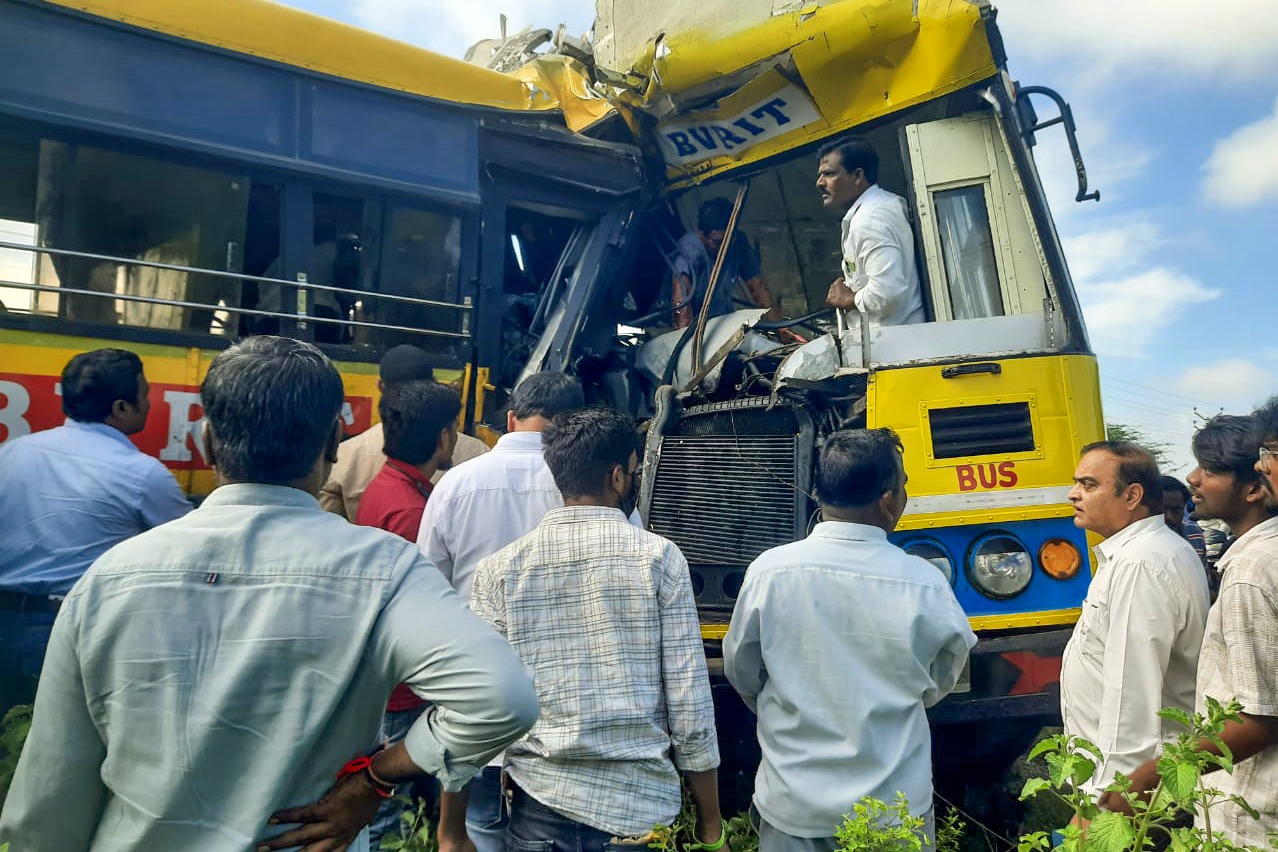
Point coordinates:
pixel 206 678
pixel 839 643
pixel 68 495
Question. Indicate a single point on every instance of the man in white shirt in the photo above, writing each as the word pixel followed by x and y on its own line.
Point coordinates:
pixel 880 277
pixel 1135 648
pixel 478 509
pixel 1241 642
pixel 841 712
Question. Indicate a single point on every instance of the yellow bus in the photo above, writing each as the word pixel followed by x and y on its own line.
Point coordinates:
pixel 993 395
pixel 178 175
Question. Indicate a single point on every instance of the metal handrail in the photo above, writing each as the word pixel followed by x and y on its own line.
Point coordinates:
pixel 239 276
pixel 301 318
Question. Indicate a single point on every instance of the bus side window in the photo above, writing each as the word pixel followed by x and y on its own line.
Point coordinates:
pixel 94 200
pixel 975 234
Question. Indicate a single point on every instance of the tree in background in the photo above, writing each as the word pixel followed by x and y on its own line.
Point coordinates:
pixel 1122 432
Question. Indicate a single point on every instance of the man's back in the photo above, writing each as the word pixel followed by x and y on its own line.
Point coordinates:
pixel 485 505
pixel 602 613
pixel 71 493
pixel 840 641
pixel 225 666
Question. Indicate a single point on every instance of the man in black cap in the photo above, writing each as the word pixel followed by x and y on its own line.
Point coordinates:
pixel 360 458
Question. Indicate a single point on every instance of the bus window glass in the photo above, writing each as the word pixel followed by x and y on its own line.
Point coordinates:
pixel 967 247
pixel 420 258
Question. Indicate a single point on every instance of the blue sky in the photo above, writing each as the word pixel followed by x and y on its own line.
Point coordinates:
pixel 1177 107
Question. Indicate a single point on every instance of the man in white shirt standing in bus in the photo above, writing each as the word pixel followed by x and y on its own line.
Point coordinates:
pixel 1135 648
pixel 880 277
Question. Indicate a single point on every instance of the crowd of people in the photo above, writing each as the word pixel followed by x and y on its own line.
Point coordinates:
pixel 260 673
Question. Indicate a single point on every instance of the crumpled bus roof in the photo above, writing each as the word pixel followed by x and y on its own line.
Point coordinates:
pixel 282 34
pixel 835 64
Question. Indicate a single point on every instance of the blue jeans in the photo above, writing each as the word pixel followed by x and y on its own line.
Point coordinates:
pixel 23 639
pixel 395 724
pixel 486 818
pixel 536 828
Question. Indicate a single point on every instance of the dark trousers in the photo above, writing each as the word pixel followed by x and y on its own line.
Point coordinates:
pixel 23 638
pixel 536 828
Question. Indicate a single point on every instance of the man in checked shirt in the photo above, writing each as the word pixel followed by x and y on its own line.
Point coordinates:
pixel 602 613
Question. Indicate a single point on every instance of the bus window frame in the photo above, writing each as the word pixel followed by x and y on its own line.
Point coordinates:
pixel 298 187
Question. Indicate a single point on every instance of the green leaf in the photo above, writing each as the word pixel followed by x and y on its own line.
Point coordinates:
pixel 1110 832
pixel 1177 715
pixel 1034 786
pixel 1179 777
pixel 1042 746
pixel 1242 803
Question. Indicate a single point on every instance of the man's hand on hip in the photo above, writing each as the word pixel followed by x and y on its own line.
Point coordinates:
pixel 332 823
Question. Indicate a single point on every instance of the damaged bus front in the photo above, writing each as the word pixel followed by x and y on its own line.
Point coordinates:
pixel 993 395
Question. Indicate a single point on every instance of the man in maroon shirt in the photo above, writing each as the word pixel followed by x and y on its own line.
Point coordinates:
pixel 419 424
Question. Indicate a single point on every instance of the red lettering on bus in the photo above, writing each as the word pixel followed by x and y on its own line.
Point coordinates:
pixel 986 476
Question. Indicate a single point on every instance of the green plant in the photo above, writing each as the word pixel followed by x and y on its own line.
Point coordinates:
pixel 13 733
pixel 416 832
pixel 679 834
pixel 1072 761
pixel 874 826
pixel 741 834
pixel 950 829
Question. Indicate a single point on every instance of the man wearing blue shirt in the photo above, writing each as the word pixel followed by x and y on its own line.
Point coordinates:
pixel 693 261
pixel 69 494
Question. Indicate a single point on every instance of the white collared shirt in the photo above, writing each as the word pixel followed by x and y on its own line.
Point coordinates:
pixel 1135 648
pixel 485 504
pixel 839 642
pixel 878 259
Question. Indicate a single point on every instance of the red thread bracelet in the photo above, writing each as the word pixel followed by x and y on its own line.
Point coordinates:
pixel 364 764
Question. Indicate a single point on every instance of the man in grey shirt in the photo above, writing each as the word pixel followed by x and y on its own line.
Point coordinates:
pixel 208 677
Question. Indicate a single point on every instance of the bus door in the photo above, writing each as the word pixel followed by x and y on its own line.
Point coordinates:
pixel 557 220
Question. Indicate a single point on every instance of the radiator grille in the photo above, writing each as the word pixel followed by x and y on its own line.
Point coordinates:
pixel 724 499
pixel 981 430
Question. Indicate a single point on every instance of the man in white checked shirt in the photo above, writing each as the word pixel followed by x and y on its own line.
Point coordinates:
pixel 602 613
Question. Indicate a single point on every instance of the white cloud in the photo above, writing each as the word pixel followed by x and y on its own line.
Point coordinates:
pixel 1125 316
pixel 1242 169
pixel 1153 38
pixel 450 28
pixel 1237 384
pixel 1112 249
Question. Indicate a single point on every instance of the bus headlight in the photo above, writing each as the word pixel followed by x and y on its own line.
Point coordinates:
pixel 999 566
pixel 934 553
pixel 1060 558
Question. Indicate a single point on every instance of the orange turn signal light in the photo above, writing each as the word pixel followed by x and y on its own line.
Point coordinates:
pixel 1060 559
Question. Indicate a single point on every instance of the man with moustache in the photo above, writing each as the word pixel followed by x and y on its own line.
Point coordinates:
pixel 1235 481
pixel 1135 648
pixel 880 277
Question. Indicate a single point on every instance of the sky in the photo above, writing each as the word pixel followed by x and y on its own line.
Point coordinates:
pixel 1177 110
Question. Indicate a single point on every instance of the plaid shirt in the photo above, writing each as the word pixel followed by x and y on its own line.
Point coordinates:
pixel 602 613
pixel 1238 660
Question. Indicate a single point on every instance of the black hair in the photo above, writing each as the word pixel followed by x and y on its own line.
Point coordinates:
pixel 858 466
pixel 405 363
pixel 1136 466
pixel 546 395
pixel 1266 419
pixel 582 447
pixel 413 414
pixel 93 381
pixel 1171 483
pixel 1229 443
pixel 714 215
pixel 854 153
pixel 272 403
